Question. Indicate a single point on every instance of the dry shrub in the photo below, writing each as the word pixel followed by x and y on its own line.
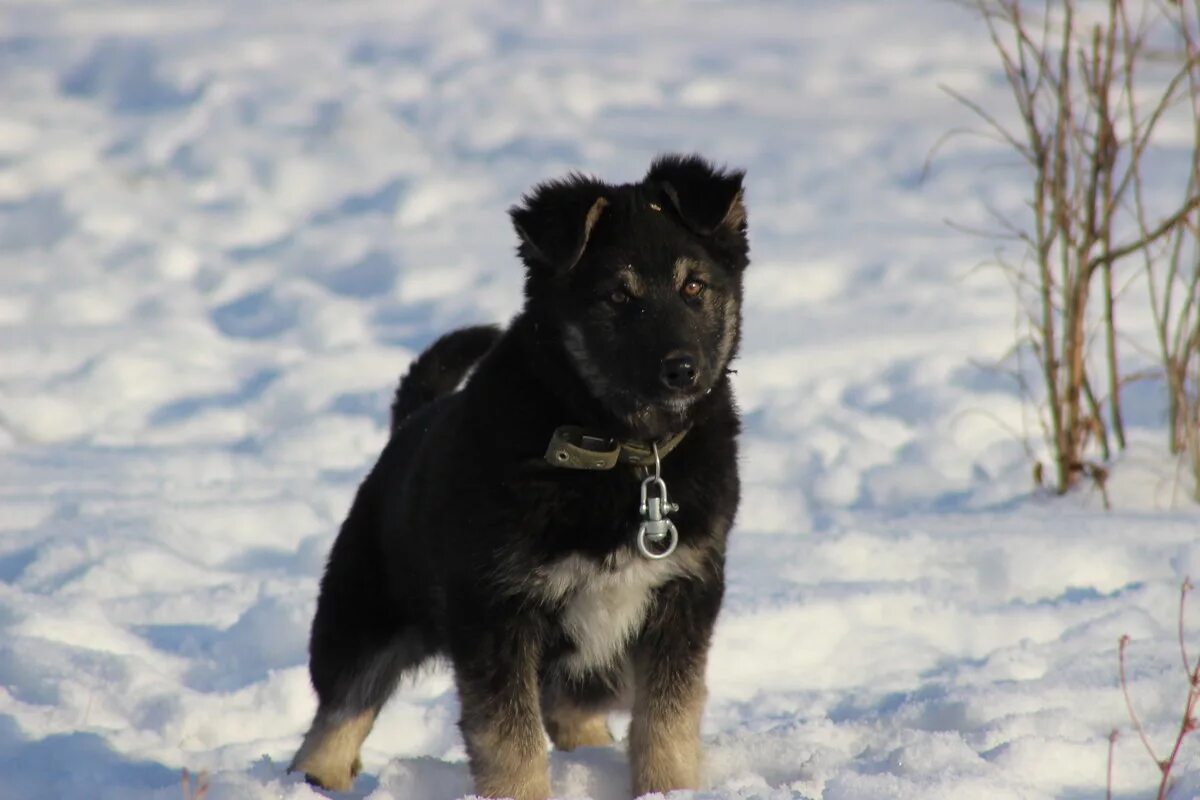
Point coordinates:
pixel 1091 93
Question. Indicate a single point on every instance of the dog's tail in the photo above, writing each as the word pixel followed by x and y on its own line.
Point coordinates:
pixel 440 369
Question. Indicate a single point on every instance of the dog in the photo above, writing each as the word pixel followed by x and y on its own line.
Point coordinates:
pixel 520 526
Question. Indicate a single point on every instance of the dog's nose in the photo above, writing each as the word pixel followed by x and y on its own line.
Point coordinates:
pixel 678 371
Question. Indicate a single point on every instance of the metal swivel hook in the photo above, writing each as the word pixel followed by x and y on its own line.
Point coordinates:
pixel 657 536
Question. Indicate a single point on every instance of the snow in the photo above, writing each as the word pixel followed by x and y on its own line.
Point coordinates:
pixel 225 228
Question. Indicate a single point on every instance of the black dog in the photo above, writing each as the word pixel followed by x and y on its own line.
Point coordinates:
pixel 517 526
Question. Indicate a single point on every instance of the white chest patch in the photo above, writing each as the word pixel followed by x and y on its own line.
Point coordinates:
pixel 603 608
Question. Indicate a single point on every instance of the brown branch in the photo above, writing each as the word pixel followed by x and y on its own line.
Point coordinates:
pixel 1188 723
pixel 1111 149
pixel 1163 228
pixel 1137 723
pixel 1110 349
pixel 1141 134
pixel 1101 433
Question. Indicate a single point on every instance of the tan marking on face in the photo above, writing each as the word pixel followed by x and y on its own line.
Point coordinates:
pixel 685 266
pixel 632 280
pixel 329 753
pixel 729 330
pixel 664 737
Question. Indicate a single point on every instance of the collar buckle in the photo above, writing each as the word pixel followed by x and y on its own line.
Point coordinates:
pixel 573 448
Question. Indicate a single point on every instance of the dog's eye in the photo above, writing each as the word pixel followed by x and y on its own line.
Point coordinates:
pixel 618 296
pixel 693 288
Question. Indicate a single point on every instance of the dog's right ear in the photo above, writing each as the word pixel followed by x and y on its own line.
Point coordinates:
pixel 555 221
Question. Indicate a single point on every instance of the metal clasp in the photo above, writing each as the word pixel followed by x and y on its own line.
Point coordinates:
pixel 657 536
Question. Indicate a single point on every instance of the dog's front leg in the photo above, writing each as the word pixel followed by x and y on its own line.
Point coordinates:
pixel 497 677
pixel 669 662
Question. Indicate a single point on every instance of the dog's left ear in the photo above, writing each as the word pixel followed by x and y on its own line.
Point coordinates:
pixel 555 221
pixel 708 199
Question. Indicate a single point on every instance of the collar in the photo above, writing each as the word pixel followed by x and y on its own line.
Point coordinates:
pixel 571 447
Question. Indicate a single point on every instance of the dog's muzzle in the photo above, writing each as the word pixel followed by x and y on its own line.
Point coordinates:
pixel 678 372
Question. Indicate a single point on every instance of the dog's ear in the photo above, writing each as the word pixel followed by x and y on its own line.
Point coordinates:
pixel 708 199
pixel 555 221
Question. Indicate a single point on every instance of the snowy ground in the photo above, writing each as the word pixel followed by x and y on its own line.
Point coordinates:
pixel 226 226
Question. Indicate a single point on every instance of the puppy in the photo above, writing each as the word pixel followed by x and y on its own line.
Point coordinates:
pixel 556 528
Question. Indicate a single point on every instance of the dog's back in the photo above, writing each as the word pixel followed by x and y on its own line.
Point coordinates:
pixel 440 369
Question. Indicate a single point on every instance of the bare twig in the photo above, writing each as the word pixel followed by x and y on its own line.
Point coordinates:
pixel 1133 717
pixel 1101 431
pixel 1187 723
pixel 989 119
pixel 1183 593
pixel 1148 238
pixel 197 790
pixel 1112 746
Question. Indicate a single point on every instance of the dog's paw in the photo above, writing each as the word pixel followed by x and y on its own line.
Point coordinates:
pixel 330 781
pixel 327 776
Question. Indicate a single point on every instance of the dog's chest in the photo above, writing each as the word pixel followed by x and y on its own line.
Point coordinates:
pixel 601 607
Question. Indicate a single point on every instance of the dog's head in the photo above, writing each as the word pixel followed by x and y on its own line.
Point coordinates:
pixel 642 282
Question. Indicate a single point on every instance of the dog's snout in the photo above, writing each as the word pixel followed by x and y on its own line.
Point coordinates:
pixel 678 371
